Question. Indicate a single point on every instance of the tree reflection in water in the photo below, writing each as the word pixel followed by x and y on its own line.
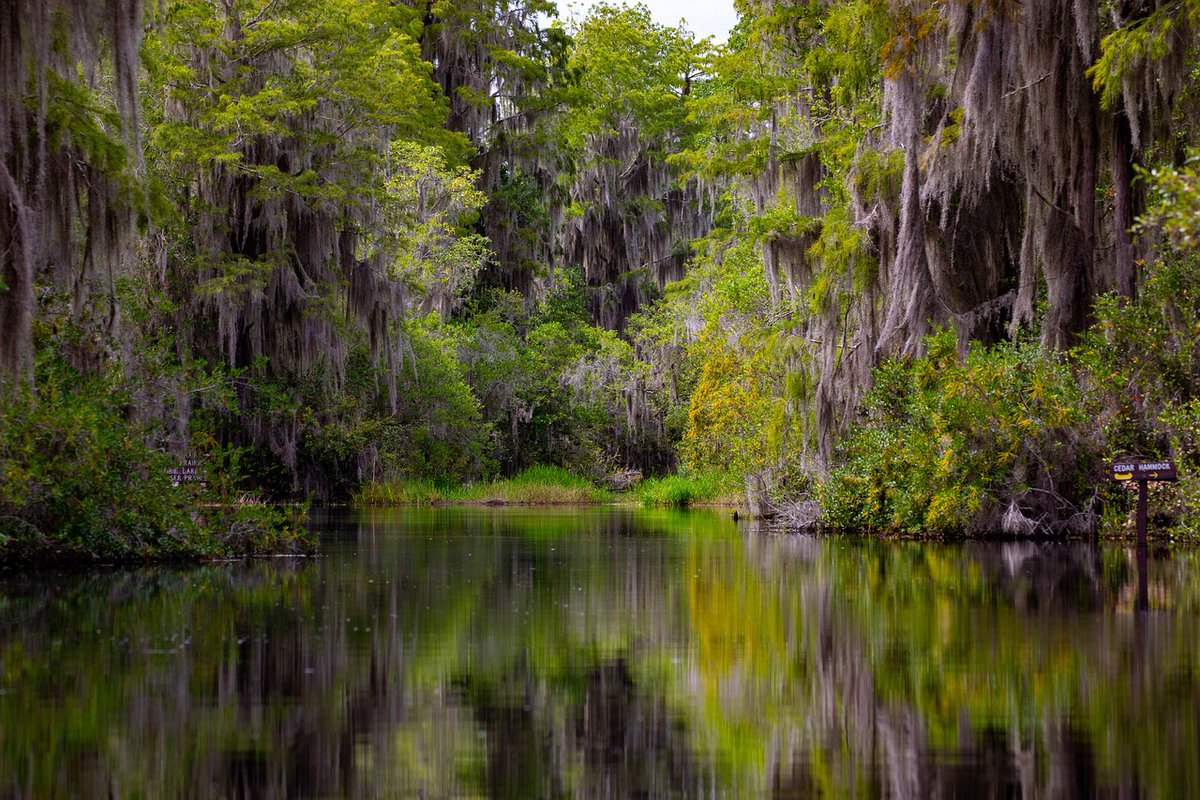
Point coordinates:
pixel 499 653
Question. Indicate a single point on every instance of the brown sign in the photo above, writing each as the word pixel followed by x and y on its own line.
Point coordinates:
pixel 1144 471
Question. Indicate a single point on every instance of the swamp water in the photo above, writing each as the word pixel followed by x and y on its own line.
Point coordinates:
pixel 605 653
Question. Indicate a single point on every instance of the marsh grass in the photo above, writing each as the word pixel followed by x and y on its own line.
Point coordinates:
pixel 681 491
pixel 535 486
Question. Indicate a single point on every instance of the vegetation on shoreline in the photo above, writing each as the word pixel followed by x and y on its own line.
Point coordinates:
pixel 542 485
pixel 84 475
pixel 81 484
pixel 534 486
pixel 1014 439
pixel 685 490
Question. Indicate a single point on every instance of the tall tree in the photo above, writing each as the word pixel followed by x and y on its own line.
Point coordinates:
pixel 504 76
pixel 631 217
pixel 950 163
pixel 304 142
pixel 68 163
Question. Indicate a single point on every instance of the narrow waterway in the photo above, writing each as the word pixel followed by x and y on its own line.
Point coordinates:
pixel 605 654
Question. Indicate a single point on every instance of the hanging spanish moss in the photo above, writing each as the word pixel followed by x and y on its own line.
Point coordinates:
pixel 502 73
pixel 998 183
pixel 633 215
pixel 1015 161
pixel 294 225
pixel 68 156
pixel 633 234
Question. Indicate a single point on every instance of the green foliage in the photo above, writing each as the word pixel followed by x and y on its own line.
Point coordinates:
pixel 789 125
pixel 630 69
pixel 400 492
pixel 1174 208
pixel 684 490
pixel 536 485
pixel 1141 364
pixel 1131 47
pixel 539 485
pixel 80 481
pixel 559 390
pixel 1181 501
pixel 738 416
pixel 441 433
pixel 364 51
pixel 945 442
pixel 354 431
pixel 423 238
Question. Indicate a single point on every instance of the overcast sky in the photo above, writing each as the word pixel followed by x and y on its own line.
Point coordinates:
pixel 704 17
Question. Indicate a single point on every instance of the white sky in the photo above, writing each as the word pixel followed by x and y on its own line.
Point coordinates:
pixel 712 18
pixel 704 17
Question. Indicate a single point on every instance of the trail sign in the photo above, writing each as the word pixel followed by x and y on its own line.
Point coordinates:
pixel 187 471
pixel 1144 471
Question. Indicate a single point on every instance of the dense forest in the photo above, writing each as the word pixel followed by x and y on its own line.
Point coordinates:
pixel 889 265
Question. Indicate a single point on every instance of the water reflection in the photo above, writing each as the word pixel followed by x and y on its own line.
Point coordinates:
pixel 503 653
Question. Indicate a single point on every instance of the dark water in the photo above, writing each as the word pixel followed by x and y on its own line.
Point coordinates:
pixel 498 653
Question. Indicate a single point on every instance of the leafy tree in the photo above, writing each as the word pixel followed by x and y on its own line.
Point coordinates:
pixel 505 76
pixel 630 219
pixel 321 199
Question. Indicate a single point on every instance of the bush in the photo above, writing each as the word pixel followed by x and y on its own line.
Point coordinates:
pixel 1140 364
pixel 948 444
pixel 79 481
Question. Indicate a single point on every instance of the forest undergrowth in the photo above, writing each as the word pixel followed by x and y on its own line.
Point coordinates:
pixel 1013 439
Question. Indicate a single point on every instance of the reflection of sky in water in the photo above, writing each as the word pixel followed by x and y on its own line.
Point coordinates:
pixel 480 652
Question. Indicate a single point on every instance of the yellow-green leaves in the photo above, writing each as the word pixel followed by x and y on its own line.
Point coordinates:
pixel 1175 202
pixel 1130 48
pixel 946 437
pixel 426 204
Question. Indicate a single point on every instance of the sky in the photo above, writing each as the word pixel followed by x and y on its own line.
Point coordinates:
pixel 704 17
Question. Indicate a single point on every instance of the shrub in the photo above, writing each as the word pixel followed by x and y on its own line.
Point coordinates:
pixel 1140 364
pixel 949 444
pixel 79 481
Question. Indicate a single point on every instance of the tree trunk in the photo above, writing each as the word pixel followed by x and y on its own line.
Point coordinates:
pixel 1124 267
pixel 16 280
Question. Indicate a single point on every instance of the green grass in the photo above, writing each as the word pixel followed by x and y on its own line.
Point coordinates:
pixel 681 491
pixel 553 486
pixel 535 486
pixel 400 492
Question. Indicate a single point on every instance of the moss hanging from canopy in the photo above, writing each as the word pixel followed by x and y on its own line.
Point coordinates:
pixel 68 163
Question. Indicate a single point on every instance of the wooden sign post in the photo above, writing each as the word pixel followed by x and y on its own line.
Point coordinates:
pixel 1143 472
